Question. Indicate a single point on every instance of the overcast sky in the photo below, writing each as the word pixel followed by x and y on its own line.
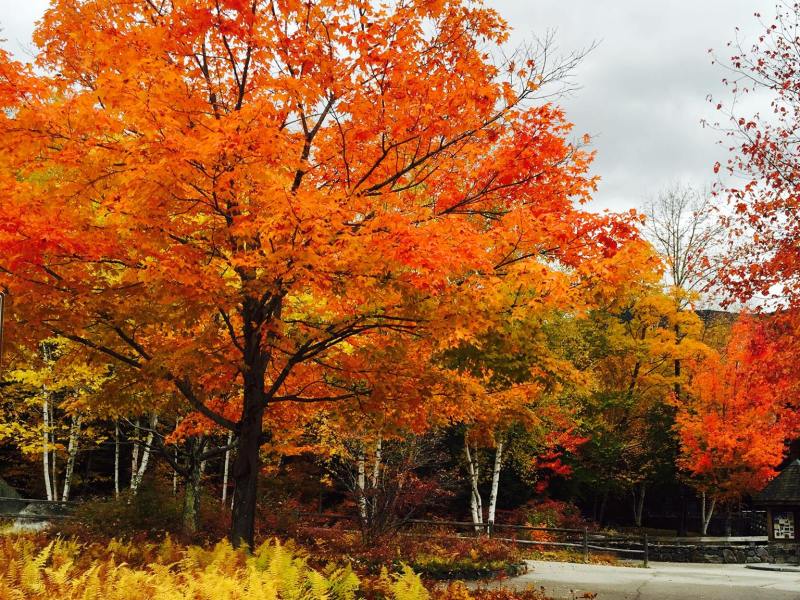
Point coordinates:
pixel 643 89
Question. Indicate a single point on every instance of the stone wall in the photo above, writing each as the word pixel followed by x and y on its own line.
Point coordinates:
pixel 720 554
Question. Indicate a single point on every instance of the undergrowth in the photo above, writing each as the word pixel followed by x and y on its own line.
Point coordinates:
pixel 68 570
pixel 35 567
pixel 433 557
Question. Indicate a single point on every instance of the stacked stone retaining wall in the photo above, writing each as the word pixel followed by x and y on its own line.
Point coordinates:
pixel 752 553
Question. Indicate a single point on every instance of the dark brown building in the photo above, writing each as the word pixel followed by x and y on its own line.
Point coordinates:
pixel 781 498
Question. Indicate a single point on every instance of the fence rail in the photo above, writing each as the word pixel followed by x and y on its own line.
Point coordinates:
pixel 583 543
pixel 36 500
pixel 35 517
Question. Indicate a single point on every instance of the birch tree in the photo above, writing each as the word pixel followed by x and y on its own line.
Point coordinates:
pixel 473 472
pixel 226 467
pixel 51 387
pixel 137 474
pixel 379 471
pixel 72 453
pixel 706 511
pixel 498 464
pixel 47 473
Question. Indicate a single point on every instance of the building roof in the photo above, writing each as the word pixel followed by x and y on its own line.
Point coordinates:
pixel 784 489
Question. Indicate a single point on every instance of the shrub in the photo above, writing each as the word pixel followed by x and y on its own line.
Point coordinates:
pixel 465 558
pixel 150 512
pixel 442 558
pixel 552 513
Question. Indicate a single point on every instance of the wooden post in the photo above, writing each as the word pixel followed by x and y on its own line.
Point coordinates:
pixel 586 544
pixel 646 552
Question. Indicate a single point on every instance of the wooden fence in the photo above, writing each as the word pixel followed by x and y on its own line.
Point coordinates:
pixel 637 546
pixel 582 540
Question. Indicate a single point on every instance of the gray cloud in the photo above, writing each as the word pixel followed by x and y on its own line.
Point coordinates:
pixel 17 20
pixel 643 89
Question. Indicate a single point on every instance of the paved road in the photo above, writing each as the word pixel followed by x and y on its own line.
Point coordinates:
pixel 662 581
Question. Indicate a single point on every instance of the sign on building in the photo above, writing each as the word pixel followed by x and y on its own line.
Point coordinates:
pixel 783 525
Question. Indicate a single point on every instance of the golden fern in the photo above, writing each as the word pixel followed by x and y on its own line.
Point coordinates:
pixel 405 586
pixel 66 570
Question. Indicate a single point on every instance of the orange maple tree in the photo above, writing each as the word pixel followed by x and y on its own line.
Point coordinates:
pixel 251 194
pixel 737 416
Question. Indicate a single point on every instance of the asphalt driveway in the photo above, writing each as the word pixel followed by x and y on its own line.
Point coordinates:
pixel 661 581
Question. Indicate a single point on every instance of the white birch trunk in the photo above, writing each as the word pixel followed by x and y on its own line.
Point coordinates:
pixel 706 512
pixel 361 483
pixel 137 477
pixel 53 454
pixel 46 446
pixel 72 453
pixel 702 513
pixel 475 503
pixel 175 475
pixel 498 464
pixel 376 467
pixel 135 450
pixel 116 459
pixel 226 468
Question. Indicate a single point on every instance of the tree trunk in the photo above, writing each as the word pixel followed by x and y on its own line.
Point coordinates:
pixel 54 455
pixel 683 519
pixel 175 474
pixel 225 470
pixel 250 429
pixel 247 465
pixel 191 500
pixel 498 464
pixel 376 466
pixel 706 511
pixel 175 458
pixel 116 459
pixel 46 447
pixel 374 478
pixel 728 520
pixel 191 493
pixel 475 503
pixel 72 453
pixel 603 503
pixel 361 484
pixel 638 503
pixel 138 475
pixel 135 449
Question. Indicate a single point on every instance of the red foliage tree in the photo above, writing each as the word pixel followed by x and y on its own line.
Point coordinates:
pixel 764 166
pixel 736 418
